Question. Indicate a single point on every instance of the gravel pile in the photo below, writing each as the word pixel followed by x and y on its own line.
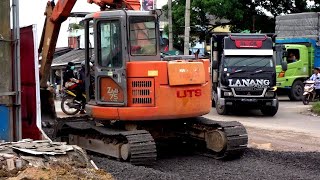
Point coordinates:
pixel 255 164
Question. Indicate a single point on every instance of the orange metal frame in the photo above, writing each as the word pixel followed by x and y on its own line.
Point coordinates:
pixel 170 102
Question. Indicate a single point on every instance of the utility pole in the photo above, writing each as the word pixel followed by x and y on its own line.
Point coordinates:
pixel 6 71
pixel 17 69
pixel 187 28
pixel 170 24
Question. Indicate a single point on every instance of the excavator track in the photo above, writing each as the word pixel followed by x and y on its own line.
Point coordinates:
pixel 217 139
pixel 232 139
pixel 136 146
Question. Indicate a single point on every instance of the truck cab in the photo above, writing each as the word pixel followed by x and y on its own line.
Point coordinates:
pixel 305 51
pixel 246 74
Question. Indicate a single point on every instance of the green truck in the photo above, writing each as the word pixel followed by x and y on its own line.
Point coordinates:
pixel 299 35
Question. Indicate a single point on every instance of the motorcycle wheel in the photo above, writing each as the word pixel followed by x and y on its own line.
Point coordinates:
pixel 306 99
pixel 66 109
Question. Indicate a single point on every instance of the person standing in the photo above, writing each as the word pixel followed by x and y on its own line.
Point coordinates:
pixel 72 83
pixel 316 77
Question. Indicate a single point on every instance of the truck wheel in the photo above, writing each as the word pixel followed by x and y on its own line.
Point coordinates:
pixel 214 96
pixel 221 109
pixel 270 110
pixel 296 91
pixel 213 104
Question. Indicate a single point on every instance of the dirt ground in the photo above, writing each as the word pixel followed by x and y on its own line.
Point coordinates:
pixel 281 140
pixel 58 171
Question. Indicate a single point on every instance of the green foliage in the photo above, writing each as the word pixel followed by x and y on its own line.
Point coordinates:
pixel 316 108
pixel 73 26
pixel 242 15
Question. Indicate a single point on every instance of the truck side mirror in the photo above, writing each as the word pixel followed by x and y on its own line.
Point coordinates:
pixel 215 65
pixel 284 65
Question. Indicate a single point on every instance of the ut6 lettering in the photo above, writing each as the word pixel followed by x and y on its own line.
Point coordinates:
pixel 189 93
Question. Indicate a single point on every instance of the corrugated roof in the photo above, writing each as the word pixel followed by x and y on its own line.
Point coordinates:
pixel 76 56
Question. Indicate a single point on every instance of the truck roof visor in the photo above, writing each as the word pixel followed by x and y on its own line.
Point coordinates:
pixel 238 36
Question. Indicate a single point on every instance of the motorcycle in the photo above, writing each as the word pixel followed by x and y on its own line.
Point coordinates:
pixel 68 103
pixel 309 93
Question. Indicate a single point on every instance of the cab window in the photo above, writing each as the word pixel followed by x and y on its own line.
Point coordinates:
pixel 143 41
pixel 110 54
pixel 293 55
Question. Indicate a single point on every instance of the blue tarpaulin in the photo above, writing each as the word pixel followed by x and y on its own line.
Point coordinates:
pixel 4 123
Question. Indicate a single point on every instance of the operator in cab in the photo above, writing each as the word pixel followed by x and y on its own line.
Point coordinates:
pixel 316 77
pixel 71 83
pixel 292 58
pixel 82 78
pixel 113 59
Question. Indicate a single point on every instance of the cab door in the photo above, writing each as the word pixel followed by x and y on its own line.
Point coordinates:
pixel 110 65
pixel 300 66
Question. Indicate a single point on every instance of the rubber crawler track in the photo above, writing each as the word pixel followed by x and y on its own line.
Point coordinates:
pixel 235 132
pixel 142 146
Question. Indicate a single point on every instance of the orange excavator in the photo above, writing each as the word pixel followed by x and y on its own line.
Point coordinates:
pixel 140 100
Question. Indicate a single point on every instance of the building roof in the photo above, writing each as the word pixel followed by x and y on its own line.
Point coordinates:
pixel 79 14
pixel 61 50
pixel 76 56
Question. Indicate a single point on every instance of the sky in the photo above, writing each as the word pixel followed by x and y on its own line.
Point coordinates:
pixel 32 12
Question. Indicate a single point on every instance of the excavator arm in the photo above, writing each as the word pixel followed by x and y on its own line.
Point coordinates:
pixel 56 14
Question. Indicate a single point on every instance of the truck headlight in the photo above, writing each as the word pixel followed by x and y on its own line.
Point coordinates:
pixel 227 93
pixel 269 94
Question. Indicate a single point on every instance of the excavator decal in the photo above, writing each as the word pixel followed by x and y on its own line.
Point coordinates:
pixel 189 93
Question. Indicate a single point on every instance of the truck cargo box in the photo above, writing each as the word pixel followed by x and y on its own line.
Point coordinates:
pixel 298 25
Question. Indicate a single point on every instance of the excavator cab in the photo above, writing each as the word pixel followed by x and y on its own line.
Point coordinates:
pixel 120 36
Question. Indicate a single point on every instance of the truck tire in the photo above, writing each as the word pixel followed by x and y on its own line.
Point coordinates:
pixel 270 110
pixel 296 91
pixel 214 96
pixel 221 109
pixel 213 103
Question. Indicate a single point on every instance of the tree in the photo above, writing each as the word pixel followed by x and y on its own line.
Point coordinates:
pixel 241 15
pixel 73 26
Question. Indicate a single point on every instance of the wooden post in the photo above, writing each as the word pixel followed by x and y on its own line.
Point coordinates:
pixel 5 52
pixel 170 25
pixel 187 28
pixel 6 59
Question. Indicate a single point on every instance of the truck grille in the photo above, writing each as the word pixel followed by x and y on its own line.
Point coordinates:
pixel 141 92
pixel 251 93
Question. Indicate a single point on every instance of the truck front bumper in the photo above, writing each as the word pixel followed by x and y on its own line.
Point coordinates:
pixel 248 101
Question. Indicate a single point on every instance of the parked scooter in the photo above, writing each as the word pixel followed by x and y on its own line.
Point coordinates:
pixel 309 93
pixel 68 103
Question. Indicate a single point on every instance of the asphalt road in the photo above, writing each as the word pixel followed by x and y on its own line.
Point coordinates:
pixel 293 128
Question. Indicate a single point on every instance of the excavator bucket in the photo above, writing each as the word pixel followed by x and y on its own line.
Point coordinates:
pixel 48 112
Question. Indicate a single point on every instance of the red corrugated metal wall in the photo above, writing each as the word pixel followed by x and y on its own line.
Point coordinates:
pixel 28 84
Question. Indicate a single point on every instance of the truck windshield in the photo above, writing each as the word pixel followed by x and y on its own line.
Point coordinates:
pixel 143 41
pixel 252 61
